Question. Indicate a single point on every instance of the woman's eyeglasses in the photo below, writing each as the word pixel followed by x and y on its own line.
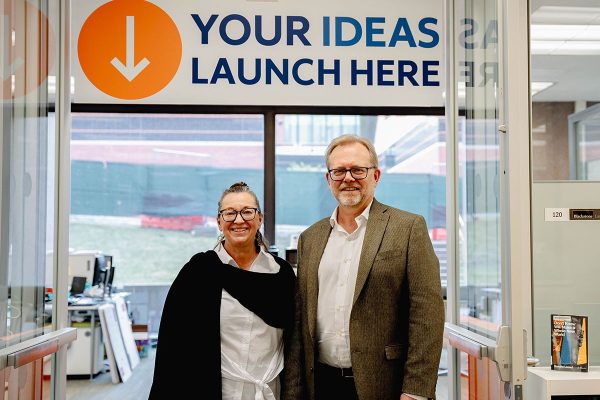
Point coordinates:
pixel 230 215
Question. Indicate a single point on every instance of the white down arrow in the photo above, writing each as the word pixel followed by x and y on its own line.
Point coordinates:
pixel 129 70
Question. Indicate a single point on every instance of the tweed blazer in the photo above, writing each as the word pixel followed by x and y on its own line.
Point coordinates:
pixel 397 316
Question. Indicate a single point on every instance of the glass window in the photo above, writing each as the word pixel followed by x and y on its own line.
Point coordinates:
pixel 145 187
pixel 411 152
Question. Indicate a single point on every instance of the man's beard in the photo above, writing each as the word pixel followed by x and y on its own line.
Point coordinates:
pixel 349 199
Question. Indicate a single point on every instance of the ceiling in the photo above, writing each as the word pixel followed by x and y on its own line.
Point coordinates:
pixel 575 76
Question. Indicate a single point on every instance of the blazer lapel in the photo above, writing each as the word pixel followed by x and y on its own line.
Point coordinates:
pixel 315 248
pixel 376 224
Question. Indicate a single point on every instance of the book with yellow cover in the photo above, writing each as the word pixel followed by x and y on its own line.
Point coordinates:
pixel 569 342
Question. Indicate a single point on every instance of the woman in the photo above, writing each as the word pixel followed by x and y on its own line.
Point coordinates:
pixel 242 297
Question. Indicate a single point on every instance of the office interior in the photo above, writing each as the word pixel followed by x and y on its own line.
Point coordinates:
pixel 512 142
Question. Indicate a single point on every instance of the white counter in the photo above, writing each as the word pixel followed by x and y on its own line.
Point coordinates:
pixel 543 383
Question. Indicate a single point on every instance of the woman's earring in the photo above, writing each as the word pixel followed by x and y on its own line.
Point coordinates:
pixel 221 236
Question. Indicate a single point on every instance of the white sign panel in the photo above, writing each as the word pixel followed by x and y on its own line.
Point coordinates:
pixel 120 370
pixel 556 214
pixel 126 332
pixel 338 53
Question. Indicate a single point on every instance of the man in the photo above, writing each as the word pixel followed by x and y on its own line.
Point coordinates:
pixel 369 311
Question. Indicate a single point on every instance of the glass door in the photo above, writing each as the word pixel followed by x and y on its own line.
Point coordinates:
pixel 483 199
pixel 29 44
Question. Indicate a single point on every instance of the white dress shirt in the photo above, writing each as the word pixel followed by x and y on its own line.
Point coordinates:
pixel 251 350
pixel 337 280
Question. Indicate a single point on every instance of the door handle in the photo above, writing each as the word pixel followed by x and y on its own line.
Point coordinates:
pixel 479 346
pixel 32 353
pixel 468 341
pixel 32 349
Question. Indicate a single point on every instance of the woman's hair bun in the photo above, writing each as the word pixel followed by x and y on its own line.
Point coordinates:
pixel 238 185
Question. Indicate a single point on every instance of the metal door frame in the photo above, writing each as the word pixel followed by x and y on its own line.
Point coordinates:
pixel 510 350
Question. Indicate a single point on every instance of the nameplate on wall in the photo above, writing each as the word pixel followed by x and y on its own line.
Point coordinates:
pixel 240 52
pixel 571 214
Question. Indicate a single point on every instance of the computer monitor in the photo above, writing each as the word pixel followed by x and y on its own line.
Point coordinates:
pixel 110 275
pixel 100 270
pixel 291 256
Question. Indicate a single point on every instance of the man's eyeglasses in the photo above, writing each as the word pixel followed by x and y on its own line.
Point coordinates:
pixel 338 174
pixel 230 215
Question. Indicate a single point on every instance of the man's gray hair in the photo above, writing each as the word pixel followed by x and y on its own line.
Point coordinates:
pixel 349 139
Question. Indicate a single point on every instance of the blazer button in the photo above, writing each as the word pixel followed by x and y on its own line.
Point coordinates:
pixel 311 369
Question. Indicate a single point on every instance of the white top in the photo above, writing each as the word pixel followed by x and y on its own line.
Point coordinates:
pixel 251 350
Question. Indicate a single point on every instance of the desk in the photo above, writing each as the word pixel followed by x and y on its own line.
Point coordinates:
pixel 543 383
pixel 95 338
pixel 96 347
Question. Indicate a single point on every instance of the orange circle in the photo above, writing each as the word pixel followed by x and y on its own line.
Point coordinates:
pixel 104 37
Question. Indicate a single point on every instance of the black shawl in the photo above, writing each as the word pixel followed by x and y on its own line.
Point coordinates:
pixel 194 299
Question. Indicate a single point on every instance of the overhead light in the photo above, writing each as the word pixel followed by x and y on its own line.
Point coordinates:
pixel 565 32
pixel 565 39
pixel 558 30
pixel 565 48
pixel 537 87
pixel 558 15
